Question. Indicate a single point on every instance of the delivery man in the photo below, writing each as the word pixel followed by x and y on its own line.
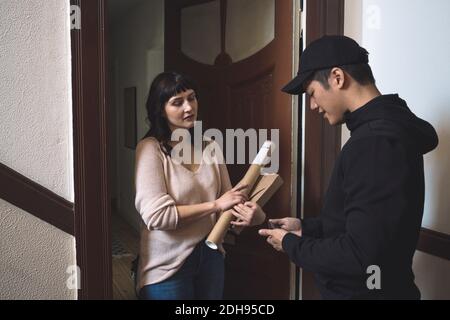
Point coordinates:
pixel 372 211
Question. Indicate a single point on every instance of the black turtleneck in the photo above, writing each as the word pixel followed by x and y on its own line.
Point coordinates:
pixel 373 207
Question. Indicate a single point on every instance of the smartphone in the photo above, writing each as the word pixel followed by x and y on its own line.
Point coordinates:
pixel 272 225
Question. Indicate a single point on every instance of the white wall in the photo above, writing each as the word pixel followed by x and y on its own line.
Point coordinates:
pixel 35 92
pixel 137 51
pixel 353 17
pixel 36 141
pixel 34 257
pixel 432 276
pixel 409 49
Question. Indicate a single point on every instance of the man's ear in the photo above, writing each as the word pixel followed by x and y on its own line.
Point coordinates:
pixel 337 78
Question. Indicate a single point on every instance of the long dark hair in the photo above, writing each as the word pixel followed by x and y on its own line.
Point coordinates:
pixel 165 86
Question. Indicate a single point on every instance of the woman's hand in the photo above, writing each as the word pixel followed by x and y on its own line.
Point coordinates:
pixel 248 214
pixel 231 198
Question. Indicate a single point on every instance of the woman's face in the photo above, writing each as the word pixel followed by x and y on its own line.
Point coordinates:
pixel 181 110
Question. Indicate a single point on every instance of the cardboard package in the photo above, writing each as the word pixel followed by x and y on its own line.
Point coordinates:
pixel 265 187
pixel 259 189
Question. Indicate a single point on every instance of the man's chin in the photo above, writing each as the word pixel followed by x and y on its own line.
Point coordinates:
pixel 335 122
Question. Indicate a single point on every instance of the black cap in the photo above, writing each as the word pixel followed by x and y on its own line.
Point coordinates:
pixel 324 53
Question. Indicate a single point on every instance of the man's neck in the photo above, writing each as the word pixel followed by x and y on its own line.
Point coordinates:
pixel 361 95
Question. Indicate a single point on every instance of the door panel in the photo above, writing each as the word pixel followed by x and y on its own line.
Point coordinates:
pixel 243 94
pixel 322 141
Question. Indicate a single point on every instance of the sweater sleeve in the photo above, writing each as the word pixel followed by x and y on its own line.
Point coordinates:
pixel 225 183
pixel 375 180
pixel 156 207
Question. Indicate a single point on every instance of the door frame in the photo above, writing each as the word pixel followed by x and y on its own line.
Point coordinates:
pixel 322 142
pixel 91 141
pixel 91 137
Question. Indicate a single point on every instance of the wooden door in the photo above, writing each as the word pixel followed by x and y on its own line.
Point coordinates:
pixel 322 141
pixel 240 77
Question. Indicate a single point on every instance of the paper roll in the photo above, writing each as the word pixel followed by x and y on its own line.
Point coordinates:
pixel 220 229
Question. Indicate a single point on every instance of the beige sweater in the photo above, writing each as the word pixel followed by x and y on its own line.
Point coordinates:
pixel 161 185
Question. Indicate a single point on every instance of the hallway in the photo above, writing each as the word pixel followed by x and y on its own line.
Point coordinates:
pixel 125 247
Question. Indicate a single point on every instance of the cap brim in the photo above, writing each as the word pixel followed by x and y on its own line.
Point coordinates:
pixel 296 86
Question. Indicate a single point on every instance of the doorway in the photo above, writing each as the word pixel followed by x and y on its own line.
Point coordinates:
pixel 239 52
pixel 135 45
pixel 237 79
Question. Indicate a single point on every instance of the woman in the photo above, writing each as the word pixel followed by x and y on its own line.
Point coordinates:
pixel 180 202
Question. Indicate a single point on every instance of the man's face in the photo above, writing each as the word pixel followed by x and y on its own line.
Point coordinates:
pixel 327 102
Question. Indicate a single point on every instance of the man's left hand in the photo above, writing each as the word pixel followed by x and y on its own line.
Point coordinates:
pixel 274 237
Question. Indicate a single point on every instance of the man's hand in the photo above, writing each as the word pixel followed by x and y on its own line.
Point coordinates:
pixel 292 225
pixel 274 237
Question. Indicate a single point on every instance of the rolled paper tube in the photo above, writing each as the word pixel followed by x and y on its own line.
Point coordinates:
pixel 220 229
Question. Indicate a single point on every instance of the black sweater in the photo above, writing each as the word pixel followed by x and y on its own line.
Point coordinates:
pixel 373 207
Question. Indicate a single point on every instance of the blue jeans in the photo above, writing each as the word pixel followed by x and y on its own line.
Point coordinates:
pixel 200 278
